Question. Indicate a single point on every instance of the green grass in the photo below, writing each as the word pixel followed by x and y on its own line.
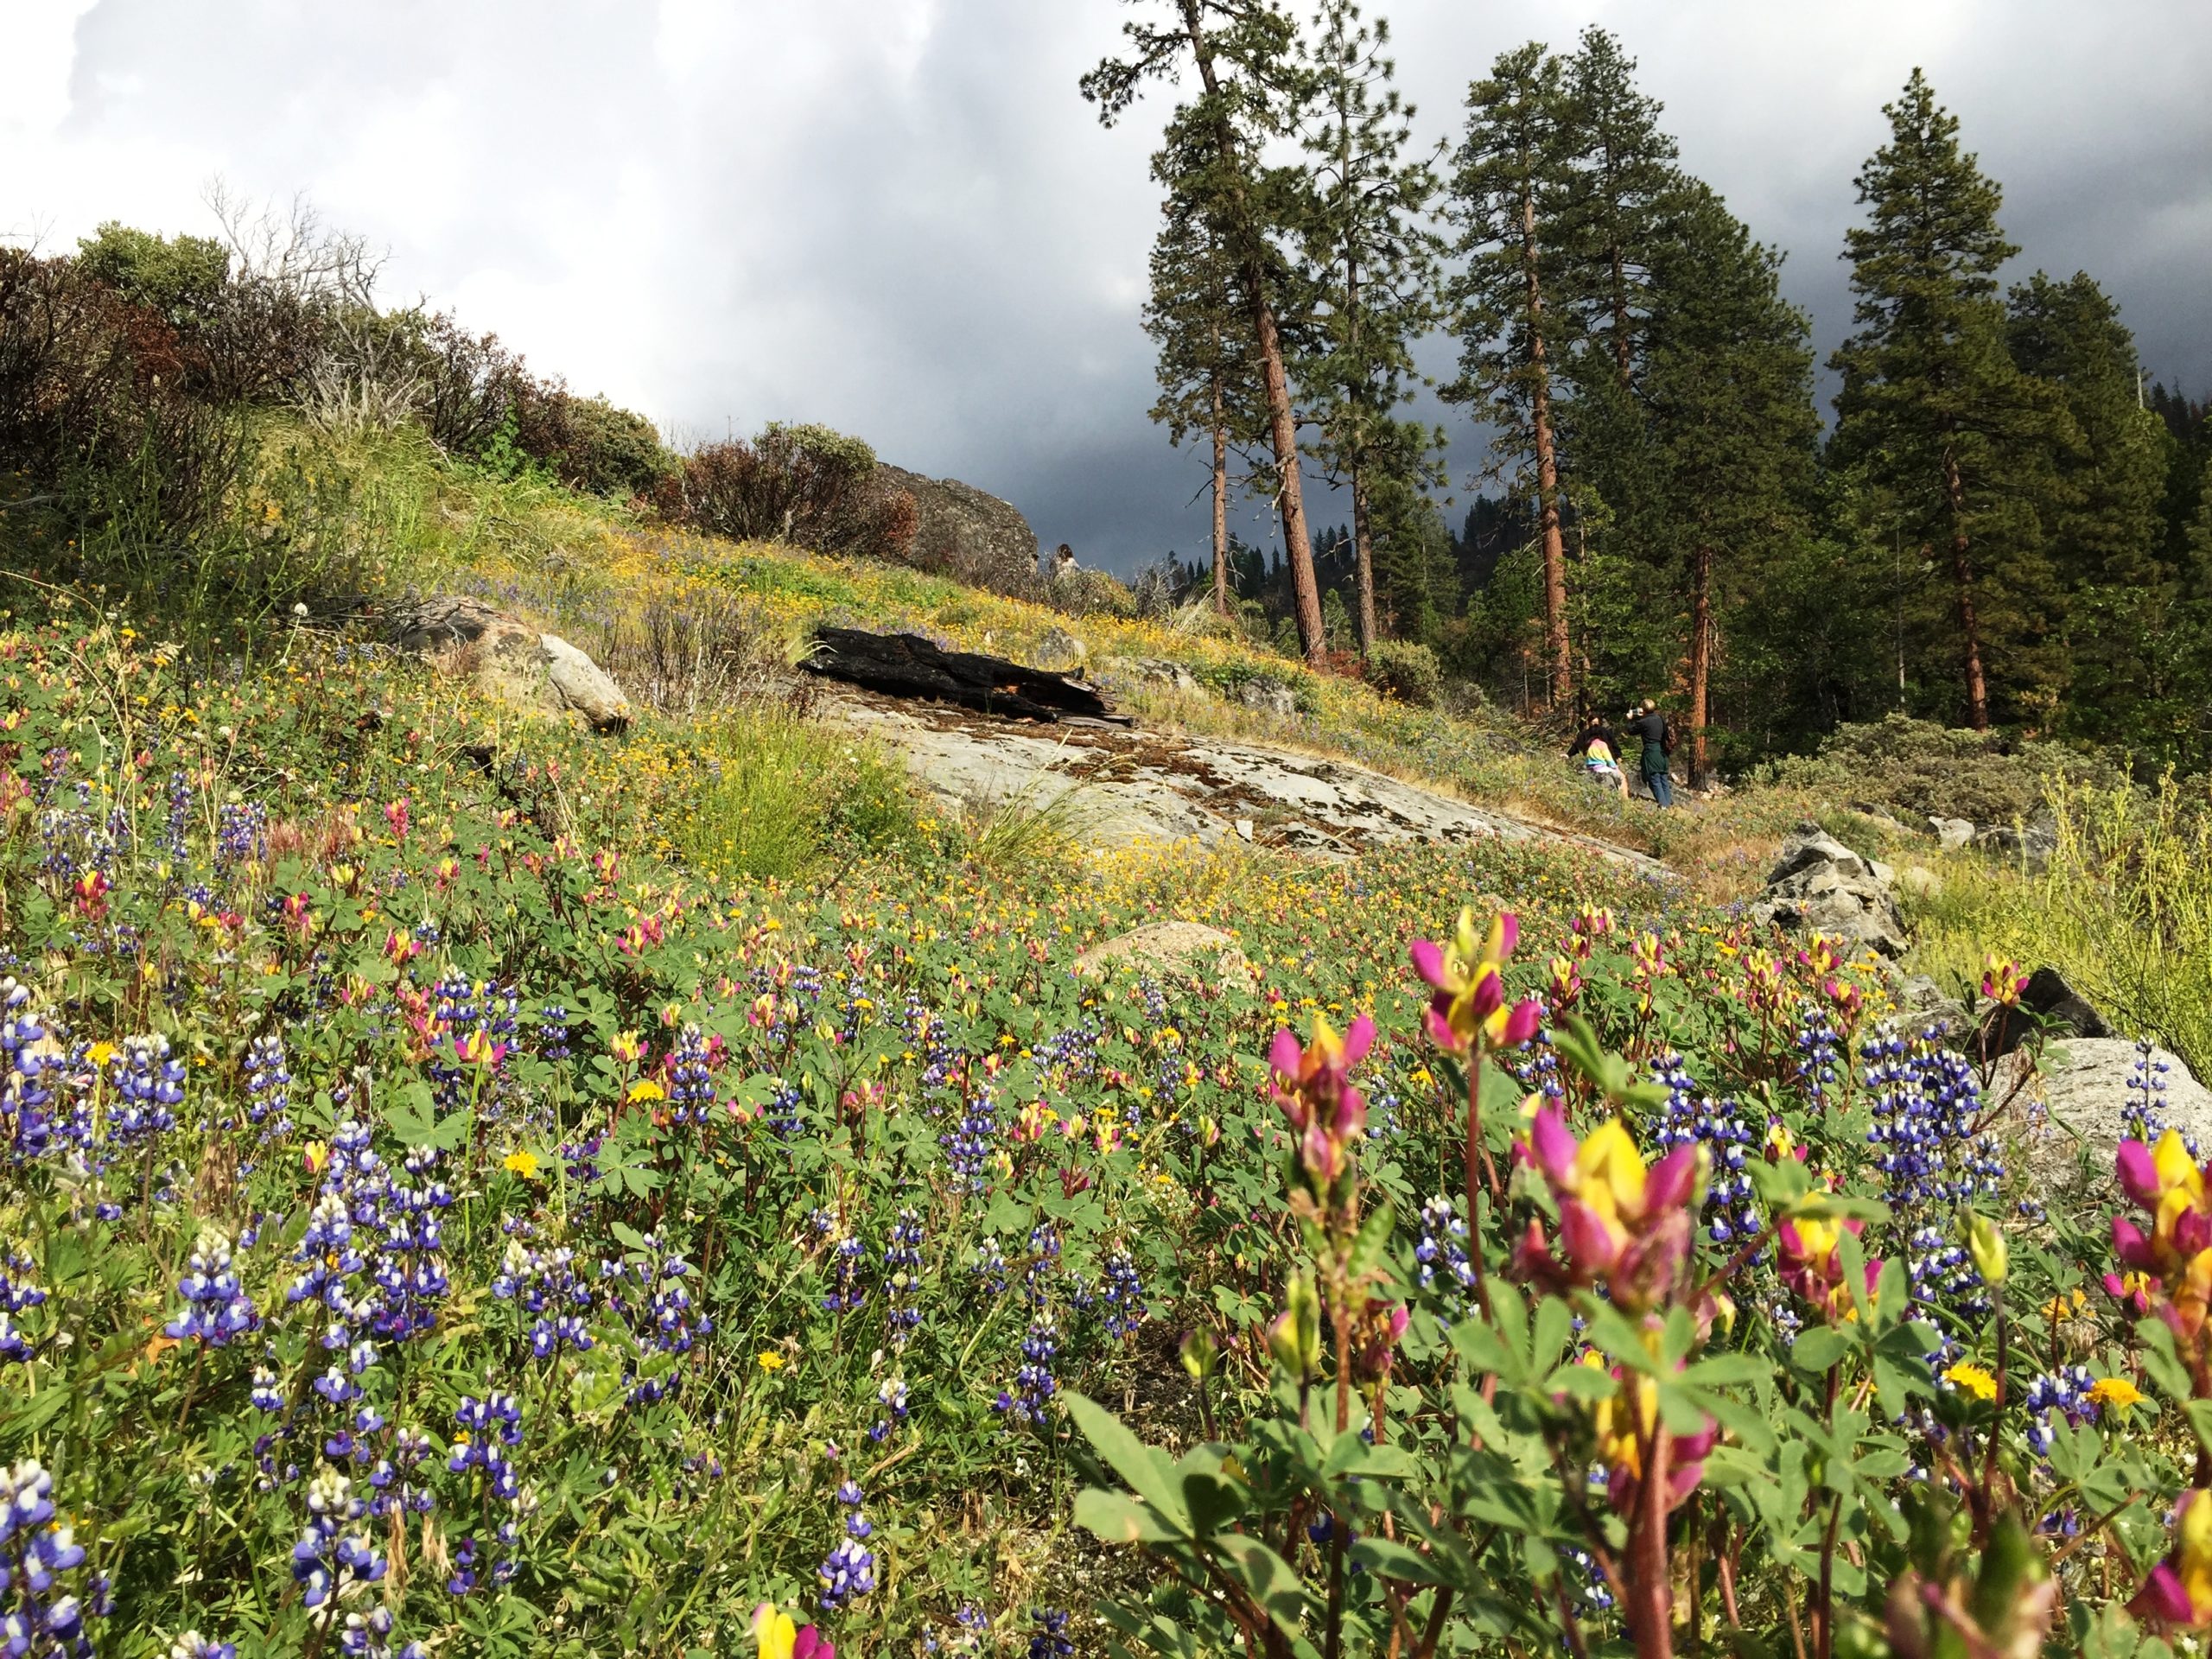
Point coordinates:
pixel 2124 910
pixel 780 796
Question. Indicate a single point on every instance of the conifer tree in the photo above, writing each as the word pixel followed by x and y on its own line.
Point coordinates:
pixel 1623 175
pixel 1511 186
pixel 1729 386
pixel 1932 407
pixel 2106 528
pixel 1208 379
pixel 1249 87
pixel 1374 263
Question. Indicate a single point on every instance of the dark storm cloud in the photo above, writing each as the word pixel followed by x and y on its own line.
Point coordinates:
pixel 897 216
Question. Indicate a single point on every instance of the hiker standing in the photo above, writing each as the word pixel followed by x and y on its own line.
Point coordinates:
pixel 1648 724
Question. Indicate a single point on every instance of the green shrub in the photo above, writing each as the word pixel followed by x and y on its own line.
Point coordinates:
pixel 1082 591
pixel 2123 909
pixel 589 443
pixel 1926 770
pixel 805 485
pixel 1406 670
pixel 781 793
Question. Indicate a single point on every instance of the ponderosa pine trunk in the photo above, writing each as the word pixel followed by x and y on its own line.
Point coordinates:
pixel 1555 545
pixel 1282 423
pixel 1700 655
pixel 1364 552
pixel 1220 501
pixel 1363 545
pixel 1962 575
pixel 1547 475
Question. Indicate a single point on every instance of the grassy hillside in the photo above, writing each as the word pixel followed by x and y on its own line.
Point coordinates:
pixel 475 1184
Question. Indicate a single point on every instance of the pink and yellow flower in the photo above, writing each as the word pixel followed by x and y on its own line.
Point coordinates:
pixel 1620 1221
pixel 2169 1270
pixel 1811 1259
pixel 2178 1591
pixel 1312 1084
pixel 1467 974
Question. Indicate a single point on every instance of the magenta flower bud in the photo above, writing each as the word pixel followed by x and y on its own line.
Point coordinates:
pixel 2138 1175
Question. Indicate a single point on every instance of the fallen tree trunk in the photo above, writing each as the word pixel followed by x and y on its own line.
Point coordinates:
pixel 907 666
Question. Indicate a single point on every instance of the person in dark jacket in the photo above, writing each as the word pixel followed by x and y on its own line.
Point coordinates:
pixel 1598 748
pixel 1648 725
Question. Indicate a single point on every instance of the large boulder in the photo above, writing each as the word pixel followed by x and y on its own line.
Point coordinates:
pixel 508 659
pixel 971 536
pixel 2032 842
pixel 1951 834
pixel 1267 696
pixel 2089 1094
pixel 1820 885
pixel 1157 947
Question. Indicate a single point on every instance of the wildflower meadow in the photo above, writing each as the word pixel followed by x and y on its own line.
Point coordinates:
pixel 440 1216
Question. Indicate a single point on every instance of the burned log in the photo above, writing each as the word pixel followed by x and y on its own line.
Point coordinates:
pixel 907 666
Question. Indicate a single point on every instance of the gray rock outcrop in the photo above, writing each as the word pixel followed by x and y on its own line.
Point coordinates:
pixel 508 659
pixel 1820 885
pixel 1057 652
pixel 1183 947
pixel 1108 788
pixel 1159 670
pixel 2033 844
pixel 969 535
pixel 1951 834
pixel 1267 697
pixel 2073 1116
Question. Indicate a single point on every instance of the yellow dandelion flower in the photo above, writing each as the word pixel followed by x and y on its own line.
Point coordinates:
pixel 524 1164
pixel 1971 1379
pixel 2116 1391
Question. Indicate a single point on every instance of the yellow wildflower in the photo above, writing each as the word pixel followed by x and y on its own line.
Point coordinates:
pixel 2116 1391
pixel 524 1164
pixel 1971 1379
pixel 771 1360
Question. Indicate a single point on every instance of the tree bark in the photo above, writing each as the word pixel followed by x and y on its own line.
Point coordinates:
pixel 1554 545
pixel 1962 575
pixel 1364 552
pixel 1700 655
pixel 1363 546
pixel 1282 424
pixel 1220 501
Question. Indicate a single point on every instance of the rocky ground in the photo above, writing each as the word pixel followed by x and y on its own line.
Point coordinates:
pixel 1111 787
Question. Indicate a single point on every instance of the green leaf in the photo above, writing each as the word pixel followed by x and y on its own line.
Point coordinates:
pixel 2161 1362
pixel 1816 1350
pixel 1118 1518
pixel 1128 1457
pixel 1393 1560
pixel 1266 1577
pixel 1374 1239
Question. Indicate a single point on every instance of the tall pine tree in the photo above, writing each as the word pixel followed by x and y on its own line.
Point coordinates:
pixel 1729 385
pixel 1374 264
pixel 1509 193
pixel 1933 410
pixel 1250 86
pixel 2106 530
pixel 1209 377
pixel 1624 177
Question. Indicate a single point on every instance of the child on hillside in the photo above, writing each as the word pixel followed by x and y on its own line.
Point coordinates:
pixel 1598 746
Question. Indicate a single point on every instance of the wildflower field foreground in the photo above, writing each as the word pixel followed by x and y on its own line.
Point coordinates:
pixel 441 1215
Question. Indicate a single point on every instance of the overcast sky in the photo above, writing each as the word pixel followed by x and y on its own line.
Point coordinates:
pixel 898 217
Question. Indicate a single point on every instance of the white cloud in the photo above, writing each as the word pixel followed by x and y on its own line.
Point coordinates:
pixel 898 216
